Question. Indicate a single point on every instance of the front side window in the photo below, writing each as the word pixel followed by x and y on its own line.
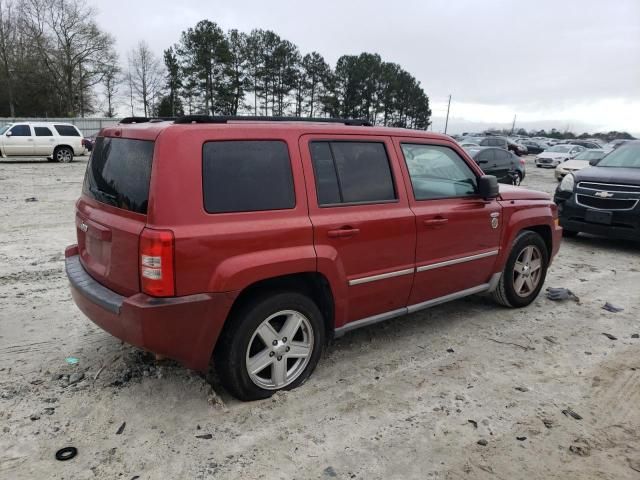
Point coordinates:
pixel 352 172
pixel 438 172
pixel 67 131
pixel 21 131
pixel 247 176
pixel 43 132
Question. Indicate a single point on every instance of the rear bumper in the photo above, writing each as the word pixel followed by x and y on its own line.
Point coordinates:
pixel 182 328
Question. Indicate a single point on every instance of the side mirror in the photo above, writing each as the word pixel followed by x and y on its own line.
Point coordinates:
pixel 8 134
pixel 488 187
pixel 593 162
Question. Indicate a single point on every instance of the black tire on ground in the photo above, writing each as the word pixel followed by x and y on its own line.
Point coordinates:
pixel 63 154
pixel 230 356
pixel 505 293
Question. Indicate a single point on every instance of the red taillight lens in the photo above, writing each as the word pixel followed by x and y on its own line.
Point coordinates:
pixel 156 263
pixel 522 162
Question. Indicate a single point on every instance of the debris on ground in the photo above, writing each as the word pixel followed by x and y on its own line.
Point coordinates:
pixel 121 428
pixel 330 472
pixel 76 377
pixel 474 423
pixel 581 447
pixel 570 413
pixel 560 294
pixel 548 422
pixel 609 336
pixel 610 307
pixel 71 360
pixel 450 350
pixel 206 436
pixel 482 442
pixel 66 453
pixel 635 335
pixel 551 339
pixel 31 199
pixel 522 389
pixel 521 439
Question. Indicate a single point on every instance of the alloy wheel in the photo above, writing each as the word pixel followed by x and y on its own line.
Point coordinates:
pixel 527 271
pixel 279 350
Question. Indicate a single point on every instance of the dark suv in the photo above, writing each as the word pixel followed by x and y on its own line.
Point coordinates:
pixel 501 163
pixel 603 199
pixel 253 241
pixel 504 142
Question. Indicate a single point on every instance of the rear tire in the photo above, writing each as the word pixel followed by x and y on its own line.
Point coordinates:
pixel 256 335
pixel 63 154
pixel 524 272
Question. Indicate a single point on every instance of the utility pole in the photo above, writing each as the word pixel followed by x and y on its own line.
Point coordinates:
pixel 513 125
pixel 446 123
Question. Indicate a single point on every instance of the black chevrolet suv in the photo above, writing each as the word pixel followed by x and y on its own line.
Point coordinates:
pixel 603 199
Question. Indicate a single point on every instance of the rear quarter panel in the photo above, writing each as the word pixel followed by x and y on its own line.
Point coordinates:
pixel 225 251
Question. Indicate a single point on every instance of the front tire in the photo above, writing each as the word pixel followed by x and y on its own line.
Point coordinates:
pixel 63 154
pixel 524 272
pixel 271 343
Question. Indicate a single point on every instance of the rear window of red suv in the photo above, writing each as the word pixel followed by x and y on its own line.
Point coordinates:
pixel 119 172
pixel 247 176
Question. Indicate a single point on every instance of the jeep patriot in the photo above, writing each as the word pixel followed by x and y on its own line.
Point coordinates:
pixel 250 243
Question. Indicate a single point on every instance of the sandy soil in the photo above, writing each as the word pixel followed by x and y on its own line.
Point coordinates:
pixel 410 398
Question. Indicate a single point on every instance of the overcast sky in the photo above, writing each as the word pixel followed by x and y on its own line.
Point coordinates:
pixel 554 63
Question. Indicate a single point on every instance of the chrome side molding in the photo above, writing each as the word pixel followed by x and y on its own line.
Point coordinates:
pixel 483 288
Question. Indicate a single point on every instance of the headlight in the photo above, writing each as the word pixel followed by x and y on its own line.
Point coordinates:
pixel 567 184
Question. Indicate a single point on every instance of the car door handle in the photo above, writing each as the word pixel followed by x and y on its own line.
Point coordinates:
pixel 483 161
pixel 343 232
pixel 434 222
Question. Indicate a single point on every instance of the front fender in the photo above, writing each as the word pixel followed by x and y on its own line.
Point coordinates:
pixel 521 217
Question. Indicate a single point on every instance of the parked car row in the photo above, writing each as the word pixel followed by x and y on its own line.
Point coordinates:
pixel 57 141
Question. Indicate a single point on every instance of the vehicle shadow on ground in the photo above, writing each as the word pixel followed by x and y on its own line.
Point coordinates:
pixel 37 160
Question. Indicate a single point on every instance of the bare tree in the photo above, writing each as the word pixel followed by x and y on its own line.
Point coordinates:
pixel 70 45
pixel 146 76
pixel 8 41
pixel 111 81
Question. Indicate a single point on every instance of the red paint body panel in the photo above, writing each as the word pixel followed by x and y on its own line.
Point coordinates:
pixel 217 256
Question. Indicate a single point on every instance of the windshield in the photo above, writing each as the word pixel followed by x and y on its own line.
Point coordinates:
pixel 590 155
pixel 627 156
pixel 4 129
pixel 560 148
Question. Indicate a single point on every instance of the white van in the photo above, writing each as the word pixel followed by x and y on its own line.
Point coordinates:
pixel 58 141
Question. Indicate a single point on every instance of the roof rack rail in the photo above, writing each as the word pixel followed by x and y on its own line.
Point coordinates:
pixel 127 120
pixel 233 118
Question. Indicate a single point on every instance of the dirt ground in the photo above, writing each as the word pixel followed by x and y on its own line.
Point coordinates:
pixel 410 398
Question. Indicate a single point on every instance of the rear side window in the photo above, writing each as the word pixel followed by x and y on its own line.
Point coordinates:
pixel 67 131
pixel 247 176
pixel 43 132
pixel 21 131
pixel 352 172
pixel 118 173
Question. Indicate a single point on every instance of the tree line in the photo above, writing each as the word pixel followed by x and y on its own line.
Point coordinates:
pixel 564 135
pixel 56 61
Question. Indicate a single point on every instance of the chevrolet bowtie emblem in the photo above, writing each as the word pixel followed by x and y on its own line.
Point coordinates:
pixel 604 194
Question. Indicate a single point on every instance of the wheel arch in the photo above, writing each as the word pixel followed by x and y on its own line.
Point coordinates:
pixel 312 284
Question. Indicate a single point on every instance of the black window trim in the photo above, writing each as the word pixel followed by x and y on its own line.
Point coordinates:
pixel 331 140
pixel 476 196
pixel 245 212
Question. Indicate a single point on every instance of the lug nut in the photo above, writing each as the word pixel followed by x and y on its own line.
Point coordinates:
pixel 288 348
pixel 279 357
pixel 274 343
pixel 271 354
pixel 284 339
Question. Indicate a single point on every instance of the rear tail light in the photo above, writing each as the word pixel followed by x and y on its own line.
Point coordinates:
pixel 156 263
pixel 522 162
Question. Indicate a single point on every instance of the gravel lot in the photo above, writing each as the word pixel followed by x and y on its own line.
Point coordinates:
pixel 410 398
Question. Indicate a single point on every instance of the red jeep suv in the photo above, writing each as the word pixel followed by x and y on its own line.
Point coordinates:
pixel 251 242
